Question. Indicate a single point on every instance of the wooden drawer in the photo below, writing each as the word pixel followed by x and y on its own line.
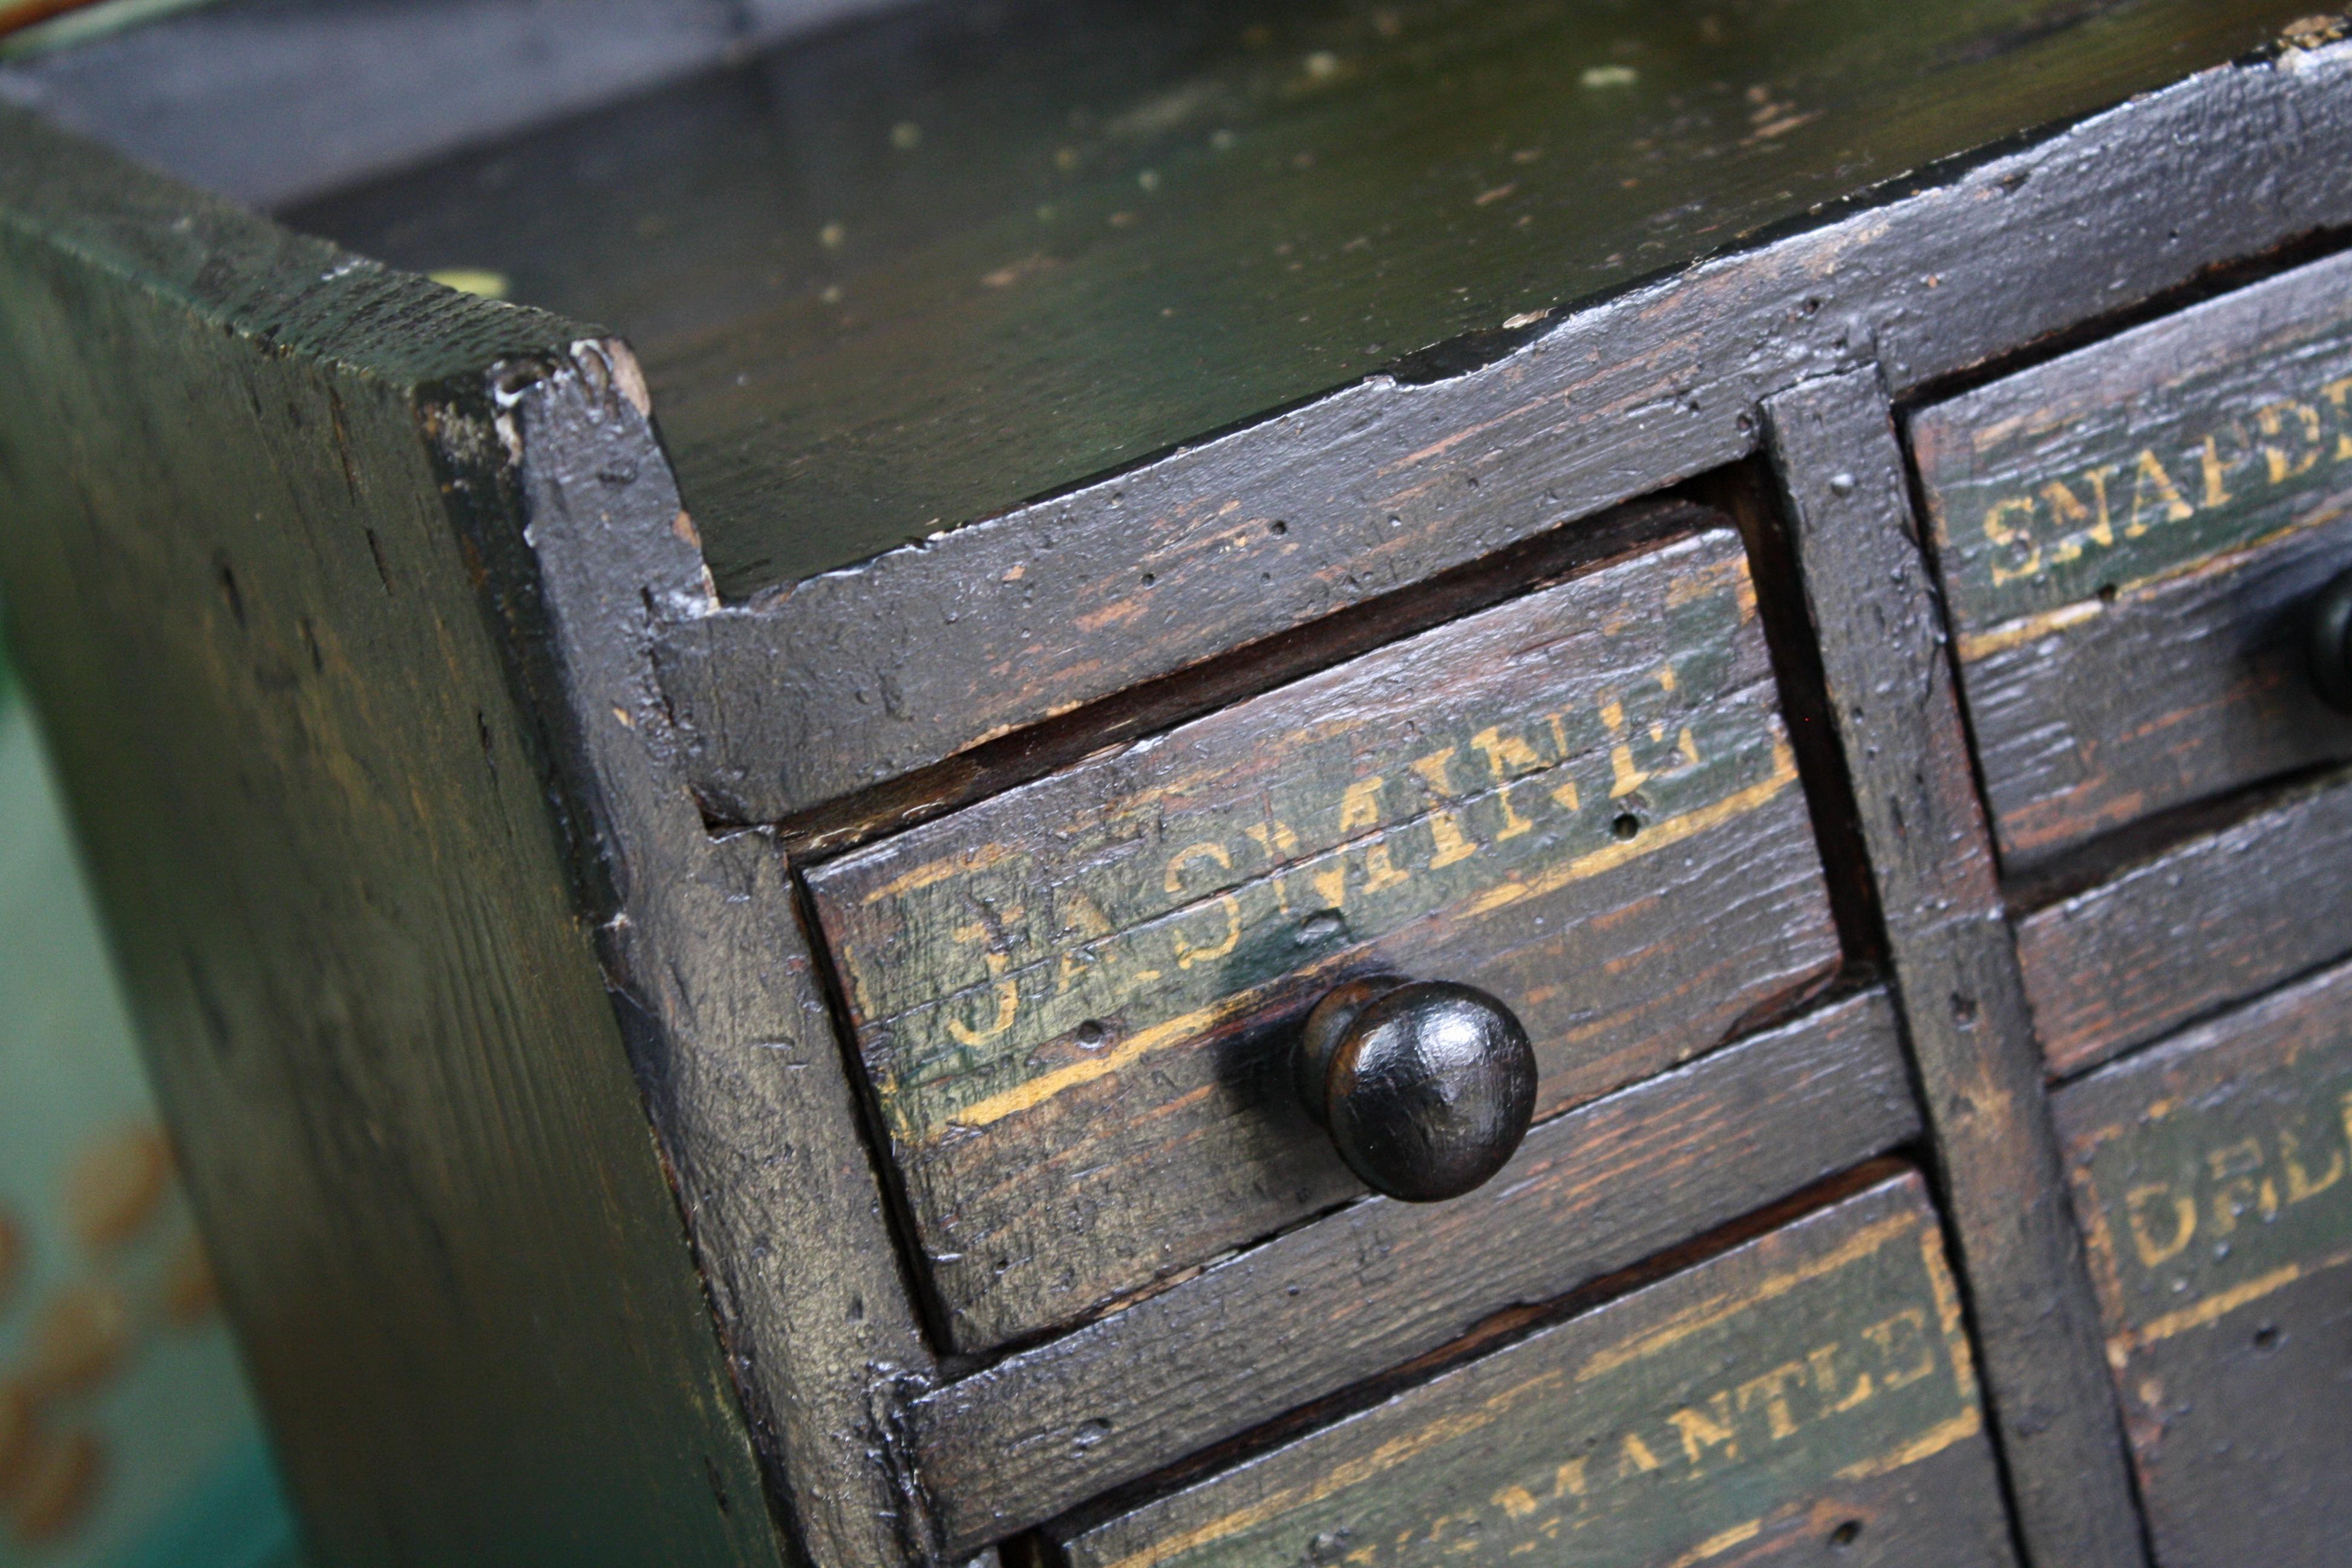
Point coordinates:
pixel 2200 925
pixel 2210 1178
pixel 1075 1001
pixel 1808 1394
pixel 2129 537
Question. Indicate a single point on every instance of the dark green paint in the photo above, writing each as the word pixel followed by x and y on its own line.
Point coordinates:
pixel 346 922
pixel 1120 227
pixel 1716 1400
pixel 1201 848
pixel 2212 1163
pixel 2118 464
pixel 1074 999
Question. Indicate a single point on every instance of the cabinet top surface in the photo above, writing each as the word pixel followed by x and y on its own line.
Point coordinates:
pixel 918 270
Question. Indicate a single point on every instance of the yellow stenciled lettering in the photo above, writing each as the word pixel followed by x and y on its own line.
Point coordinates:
pixel 2337 392
pixel 1569 1479
pixel 2006 536
pixel 1823 1363
pixel 1633 1456
pixel 1516 1501
pixel 2209 460
pixel 2148 473
pixel 1508 757
pixel 1624 778
pixel 1006 992
pixel 2140 1207
pixel 2301 1185
pixel 1772 1388
pixel 2237 1192
pixel 2092 520
pixel 1188 951
pixel 1702 1431
pixel 1897 1338
pixel 2271 419
pixel 1359 807
pixel 1453 845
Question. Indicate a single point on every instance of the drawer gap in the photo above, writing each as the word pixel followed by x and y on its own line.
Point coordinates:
pixel 837 827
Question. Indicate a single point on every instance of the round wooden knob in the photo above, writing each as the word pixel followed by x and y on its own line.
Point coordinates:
pixel 2331 644
pixel 1425 1087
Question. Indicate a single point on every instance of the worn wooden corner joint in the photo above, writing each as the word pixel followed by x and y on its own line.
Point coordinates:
pixel 1350 787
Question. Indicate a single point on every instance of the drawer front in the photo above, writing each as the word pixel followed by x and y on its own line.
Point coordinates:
pixel 1806 1396
pixel 2210 1177
pixel 2201 926
pixel 1076 1001
pixel 2130 537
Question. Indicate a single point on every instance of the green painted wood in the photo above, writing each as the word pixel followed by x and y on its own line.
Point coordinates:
pixel 1752 1408
pixel 317 826
pixel 907 276
pixel 2210 1175
pixel 1591 1193
pixel 2127 535
pixel 1075 999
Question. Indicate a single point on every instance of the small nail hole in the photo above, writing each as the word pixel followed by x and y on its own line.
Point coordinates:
pixel 2109 593
pixel 1280 528
pixel 1625 826
pixel 2266 1338
pixel 1846 1534
pixel 1091 1033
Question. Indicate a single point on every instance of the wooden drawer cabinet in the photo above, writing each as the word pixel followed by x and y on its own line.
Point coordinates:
pixel 1075 1001
pixel 2209 1175
pixel 1808 1394
pixel 829 925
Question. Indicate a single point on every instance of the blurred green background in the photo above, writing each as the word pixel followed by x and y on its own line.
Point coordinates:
pixel 126 1438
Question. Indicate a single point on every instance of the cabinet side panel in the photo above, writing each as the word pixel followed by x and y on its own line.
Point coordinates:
pixel 394 1074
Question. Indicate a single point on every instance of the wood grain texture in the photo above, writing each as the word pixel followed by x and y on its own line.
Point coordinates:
pixel 1867 590
pixel 2209 1175
pixel 2198 927
pixel 863 674
pixel 2130 536
pixel 1076 1001
pixel 316 821
pixel 1110 231
pixel 1591 1192
pixel 1741 1407
pixel 703 952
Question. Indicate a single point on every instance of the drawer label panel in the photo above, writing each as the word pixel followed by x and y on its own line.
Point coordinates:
pixel 2212 1175
pixel 1088 968
pixel 2218 1169
pixel 2128 536
pixel 1718 1409
pixel 2135 459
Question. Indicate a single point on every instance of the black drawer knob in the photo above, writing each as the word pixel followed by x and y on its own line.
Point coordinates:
pixel 2331 644
pixel 1427 1086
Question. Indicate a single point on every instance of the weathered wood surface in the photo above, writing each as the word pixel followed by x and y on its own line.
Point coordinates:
pixel 916 272
pixel 2129 537
pixel 2209 1173
pixel 866 674
pixel 1868 593
pixel 576 521
pixel 1591 1192
pixel 1075 1000
pixel 1804 1395
pixel 316 819
pixel 2206 923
